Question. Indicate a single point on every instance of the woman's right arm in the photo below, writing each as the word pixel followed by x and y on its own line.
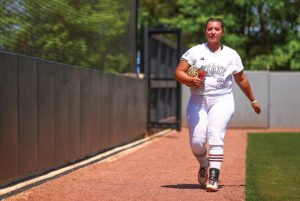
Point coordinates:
pixel 183 78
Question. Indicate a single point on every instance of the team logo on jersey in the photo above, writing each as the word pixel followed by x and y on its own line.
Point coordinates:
pixel 215 69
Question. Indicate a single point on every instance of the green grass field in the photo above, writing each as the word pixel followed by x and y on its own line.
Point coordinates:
pixel 273 167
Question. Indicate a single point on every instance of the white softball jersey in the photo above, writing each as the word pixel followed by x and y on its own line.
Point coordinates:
pixel 219 68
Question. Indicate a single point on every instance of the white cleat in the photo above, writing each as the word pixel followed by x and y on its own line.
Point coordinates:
pixel 212 185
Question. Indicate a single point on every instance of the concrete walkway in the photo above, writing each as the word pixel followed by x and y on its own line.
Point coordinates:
pixel 161 169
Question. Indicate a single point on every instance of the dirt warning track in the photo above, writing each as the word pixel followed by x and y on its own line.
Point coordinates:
pixel 161 169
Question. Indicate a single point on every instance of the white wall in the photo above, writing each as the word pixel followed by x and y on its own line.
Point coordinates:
pixel 284 101
pixel 278 94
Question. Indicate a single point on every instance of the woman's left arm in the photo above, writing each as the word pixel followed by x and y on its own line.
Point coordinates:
pixel 242 81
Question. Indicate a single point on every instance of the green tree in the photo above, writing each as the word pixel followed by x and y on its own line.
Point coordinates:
pixel 82 33
pixel 264 32
pixel 274 35
pixel 191 16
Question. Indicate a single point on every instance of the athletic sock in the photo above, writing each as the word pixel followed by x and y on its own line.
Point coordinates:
pixel 216 155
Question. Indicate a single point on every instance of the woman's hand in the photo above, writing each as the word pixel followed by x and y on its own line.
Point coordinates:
pixel 183 78
pixel 256 107
pixel 195 82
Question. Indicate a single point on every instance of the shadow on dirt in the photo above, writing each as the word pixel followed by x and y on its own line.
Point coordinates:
pixel 198 186
pixel 185 186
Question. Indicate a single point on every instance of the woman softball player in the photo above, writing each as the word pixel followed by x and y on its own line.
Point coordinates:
pixel 211 104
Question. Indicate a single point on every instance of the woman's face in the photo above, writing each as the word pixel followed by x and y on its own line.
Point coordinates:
pixel 214 32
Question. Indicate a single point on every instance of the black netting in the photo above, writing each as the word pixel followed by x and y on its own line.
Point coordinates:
pixel 97 34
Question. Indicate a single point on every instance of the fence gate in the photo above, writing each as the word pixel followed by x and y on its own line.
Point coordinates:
pixel 159 59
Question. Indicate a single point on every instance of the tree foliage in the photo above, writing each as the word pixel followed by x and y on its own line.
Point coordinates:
pixel 83 33
pixel 264 32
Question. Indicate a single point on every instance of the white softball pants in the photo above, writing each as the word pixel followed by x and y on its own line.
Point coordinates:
pixel 208 117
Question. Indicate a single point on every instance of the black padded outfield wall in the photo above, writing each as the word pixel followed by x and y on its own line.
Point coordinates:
pixel 52 114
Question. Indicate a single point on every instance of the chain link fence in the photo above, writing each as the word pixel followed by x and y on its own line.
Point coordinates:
pixel 99 34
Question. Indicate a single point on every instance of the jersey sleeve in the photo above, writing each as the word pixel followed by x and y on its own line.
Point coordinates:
pixel 237 64
pixel 189 57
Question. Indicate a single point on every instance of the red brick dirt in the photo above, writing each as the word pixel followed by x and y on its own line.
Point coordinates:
pixel 164 169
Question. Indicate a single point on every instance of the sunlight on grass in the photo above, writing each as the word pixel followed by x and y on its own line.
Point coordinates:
pixel 273 167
